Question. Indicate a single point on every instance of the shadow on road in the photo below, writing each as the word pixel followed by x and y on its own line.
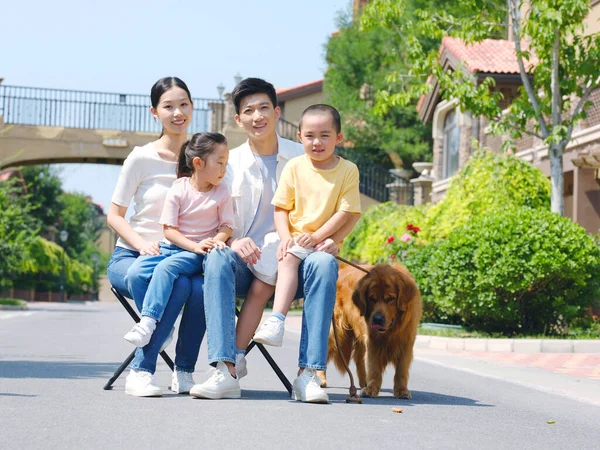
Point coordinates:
pixel 56 369
pixel 418 398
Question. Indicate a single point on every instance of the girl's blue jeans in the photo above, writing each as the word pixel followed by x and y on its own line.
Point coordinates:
pixel 186 291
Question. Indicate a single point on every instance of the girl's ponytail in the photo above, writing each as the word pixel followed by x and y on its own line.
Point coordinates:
pixel 183 170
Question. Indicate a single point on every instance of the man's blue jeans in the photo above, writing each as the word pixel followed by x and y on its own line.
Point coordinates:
pixel 162 271
pixel 192 327
pixel 227 276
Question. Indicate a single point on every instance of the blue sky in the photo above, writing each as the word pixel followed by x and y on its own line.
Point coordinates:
pixel 125 46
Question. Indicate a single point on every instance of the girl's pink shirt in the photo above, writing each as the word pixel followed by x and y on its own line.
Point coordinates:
pixel 197 215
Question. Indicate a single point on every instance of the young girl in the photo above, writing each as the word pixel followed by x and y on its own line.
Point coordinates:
pixel 197 217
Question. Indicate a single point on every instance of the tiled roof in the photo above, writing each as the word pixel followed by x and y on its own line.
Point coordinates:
pixel 298 91
pixel 487 56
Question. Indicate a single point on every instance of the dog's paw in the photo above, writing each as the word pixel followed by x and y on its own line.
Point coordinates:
pixel 369 392
pixel 322 378
pixel 402 393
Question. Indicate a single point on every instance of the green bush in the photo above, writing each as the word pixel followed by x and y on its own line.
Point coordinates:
pixel 488 182
pixel 518 270
pixel 367 242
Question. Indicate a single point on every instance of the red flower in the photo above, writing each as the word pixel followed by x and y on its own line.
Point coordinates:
pixel 392 256
pixel 411 227
pixel 391 239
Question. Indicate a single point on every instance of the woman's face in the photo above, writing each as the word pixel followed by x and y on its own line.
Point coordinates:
pixel 174 110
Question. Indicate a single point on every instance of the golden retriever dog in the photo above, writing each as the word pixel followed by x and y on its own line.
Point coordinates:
pixel 376 316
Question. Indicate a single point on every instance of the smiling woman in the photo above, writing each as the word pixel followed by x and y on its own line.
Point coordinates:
pixel 146 177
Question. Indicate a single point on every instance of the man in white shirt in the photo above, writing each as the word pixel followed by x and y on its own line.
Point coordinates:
pixel 253 172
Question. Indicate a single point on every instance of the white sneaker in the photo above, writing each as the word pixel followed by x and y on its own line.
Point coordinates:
pixel 181 382
pixel 139 335
pixel 220 385
pixel 271 332
pixel 141 384
pixel 307 388
pixel 240 366
pixel 168 340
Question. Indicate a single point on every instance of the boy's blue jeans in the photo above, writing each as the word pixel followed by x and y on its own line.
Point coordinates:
pixel 188 291
pixel 227 276
pixel 162 271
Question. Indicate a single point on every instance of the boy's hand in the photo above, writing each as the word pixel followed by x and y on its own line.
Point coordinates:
pixel 246 249
pixel 283 246
pixel 306 240
pixel 149 248
pixel 327 246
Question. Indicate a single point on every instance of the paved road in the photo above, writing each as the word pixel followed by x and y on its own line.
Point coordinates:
pixel 54 360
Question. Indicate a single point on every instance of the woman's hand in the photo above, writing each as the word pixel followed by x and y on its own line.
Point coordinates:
pixel 328 246
pixel 283 246
pixel 149 248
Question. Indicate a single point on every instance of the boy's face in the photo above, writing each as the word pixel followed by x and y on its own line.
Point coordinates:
pixel 257 115
pixel 319 137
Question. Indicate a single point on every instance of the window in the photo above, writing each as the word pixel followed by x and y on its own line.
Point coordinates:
pixel 451 144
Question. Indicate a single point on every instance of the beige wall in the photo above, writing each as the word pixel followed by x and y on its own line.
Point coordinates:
pixel 593 26
pixel 292 109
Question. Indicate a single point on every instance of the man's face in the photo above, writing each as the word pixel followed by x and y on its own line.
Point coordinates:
pixel 257 115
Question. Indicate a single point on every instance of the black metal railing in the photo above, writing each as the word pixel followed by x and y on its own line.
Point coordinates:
pixel 287 130
pixel 90 110
pixel 378 182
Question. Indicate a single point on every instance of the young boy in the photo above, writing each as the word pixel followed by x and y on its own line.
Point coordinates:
pixel 317 195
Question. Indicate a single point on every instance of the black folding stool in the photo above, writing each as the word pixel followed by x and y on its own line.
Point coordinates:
pixel 168 360
pixel 128 360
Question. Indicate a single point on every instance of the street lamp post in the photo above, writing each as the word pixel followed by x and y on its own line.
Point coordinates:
pixel 95 260
pixel 63 235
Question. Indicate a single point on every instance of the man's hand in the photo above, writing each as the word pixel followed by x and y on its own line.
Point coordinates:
pixel 306 240
pixel 283 246
pixel 149 248
pixel 247 249
pixel 328 246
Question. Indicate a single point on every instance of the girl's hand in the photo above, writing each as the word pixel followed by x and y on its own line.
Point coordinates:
pixel 149 248
pixel 283 246
pixel 203 247
pixel 306 240
pixel 219 245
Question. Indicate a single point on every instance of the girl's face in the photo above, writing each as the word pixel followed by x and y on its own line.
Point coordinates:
pixel 212 170
pixel 174 110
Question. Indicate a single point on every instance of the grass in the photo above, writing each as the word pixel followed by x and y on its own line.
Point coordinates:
pixel 12 302
pixel 460 332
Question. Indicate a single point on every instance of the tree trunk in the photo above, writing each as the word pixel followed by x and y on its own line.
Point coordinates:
pixel 557 179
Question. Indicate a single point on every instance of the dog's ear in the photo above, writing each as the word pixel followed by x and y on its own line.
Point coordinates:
pixel 407 289
pixel 359 296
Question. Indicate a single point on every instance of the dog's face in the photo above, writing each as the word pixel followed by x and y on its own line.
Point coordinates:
pixel 383 297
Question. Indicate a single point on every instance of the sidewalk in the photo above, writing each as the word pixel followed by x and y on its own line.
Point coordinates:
pixel 571 357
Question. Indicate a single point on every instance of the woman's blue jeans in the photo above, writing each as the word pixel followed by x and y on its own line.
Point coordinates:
pixel 186 291
pixel 227 276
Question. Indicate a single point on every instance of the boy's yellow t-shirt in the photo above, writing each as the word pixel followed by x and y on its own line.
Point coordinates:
pixel 314 195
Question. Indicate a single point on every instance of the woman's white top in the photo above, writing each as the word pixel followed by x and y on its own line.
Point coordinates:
pixel 146 178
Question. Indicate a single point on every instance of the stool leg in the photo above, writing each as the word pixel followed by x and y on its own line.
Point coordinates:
pixel 117 374
pixel 274 366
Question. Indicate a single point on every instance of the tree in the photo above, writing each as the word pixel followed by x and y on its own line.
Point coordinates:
pixel 557 64
pixel 358 63
pixel 17 231
pixel 44 187
pixel 81 220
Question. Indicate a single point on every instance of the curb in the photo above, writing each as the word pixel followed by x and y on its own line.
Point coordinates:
pixel 509 345
pixel 13 308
